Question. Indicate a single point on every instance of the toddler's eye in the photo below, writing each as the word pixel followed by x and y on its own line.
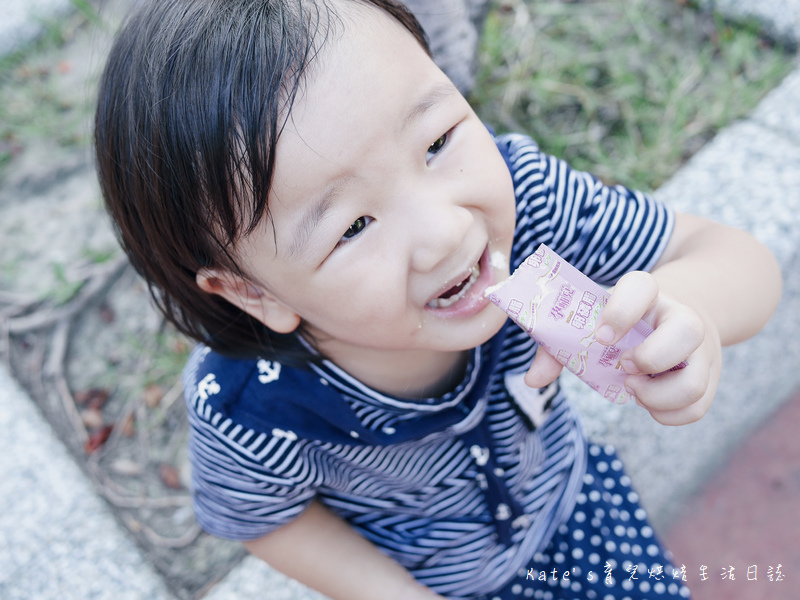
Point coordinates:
pixel 436 146
pixel 357 227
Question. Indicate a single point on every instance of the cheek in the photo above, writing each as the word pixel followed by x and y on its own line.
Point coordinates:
pixel 498 187
pixel 375 296
pixel 378 309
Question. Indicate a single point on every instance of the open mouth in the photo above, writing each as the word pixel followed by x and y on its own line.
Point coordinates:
pixel 458 291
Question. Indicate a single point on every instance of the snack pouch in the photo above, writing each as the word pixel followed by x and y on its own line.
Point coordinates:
pixel 558 306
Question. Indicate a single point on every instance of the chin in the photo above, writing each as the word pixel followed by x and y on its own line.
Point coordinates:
pixel 486 328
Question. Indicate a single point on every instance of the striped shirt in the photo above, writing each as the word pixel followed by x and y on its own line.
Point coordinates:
pixel 461 489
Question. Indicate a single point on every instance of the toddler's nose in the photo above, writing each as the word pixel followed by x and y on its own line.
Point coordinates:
pixel 439 233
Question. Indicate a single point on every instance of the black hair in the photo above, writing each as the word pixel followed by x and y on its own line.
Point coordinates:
pixel 190 108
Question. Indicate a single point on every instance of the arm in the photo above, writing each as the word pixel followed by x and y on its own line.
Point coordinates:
pixel 323 552
pixel 721 271
pixel 713 286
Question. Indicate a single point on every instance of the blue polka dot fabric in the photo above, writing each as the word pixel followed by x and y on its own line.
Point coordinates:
pixel 606 551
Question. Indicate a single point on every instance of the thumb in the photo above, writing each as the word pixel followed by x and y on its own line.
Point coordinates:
pixel 544 370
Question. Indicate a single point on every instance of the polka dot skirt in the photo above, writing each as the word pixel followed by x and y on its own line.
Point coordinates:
pixel 606 551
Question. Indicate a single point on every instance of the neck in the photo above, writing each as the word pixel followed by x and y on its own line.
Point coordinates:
pixel 406 373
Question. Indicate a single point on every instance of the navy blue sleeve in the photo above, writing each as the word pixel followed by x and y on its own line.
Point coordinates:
pixel 247 480
pixel 603 231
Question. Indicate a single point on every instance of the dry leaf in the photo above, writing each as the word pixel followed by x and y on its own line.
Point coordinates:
pixel 180 346
pixel 128 426
pixel 92 398
pixel 169 475
pixel 125 466
pixel 134 525
pixel 92 418
pixel 153 394
pixel 97 439
pixel 106 313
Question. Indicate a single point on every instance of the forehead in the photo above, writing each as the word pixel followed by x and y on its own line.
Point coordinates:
pixel 370 80
pixel 365 50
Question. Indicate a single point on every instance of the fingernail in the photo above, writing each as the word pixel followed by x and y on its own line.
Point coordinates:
pixel 605 334
pixel 629 367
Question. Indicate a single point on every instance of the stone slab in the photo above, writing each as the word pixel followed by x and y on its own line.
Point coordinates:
pixel 779 18
pixel 58 539
pixel 252 578
pixel 772 114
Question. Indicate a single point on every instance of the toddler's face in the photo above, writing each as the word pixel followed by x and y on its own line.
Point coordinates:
pixel 392 208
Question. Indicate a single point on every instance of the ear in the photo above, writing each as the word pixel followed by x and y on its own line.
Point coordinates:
pixel 249 297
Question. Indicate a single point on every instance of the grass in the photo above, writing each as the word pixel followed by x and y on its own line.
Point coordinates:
pixel 33 106
pixel 626 89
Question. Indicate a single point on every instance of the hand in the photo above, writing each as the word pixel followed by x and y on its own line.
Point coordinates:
pixel 681 333
pixel 673 398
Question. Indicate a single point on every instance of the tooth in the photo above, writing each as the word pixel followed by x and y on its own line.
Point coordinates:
pixel 445 302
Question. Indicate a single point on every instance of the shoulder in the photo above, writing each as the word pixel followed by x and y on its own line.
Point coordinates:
pixel 211 379
pixel 260 396
pixel 520 152
pixel 245 391
pixel 535 174
pixel 250 473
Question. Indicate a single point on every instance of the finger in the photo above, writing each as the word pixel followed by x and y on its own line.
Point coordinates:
pixel 679 334
pixel 671 391
pixel 682 416
pixel 543 371
pixel 633 296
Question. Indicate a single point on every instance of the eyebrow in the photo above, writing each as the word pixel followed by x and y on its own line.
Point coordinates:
pixel 435 96
pixel 314 215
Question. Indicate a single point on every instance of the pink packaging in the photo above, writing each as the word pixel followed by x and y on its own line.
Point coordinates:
pixel 558 306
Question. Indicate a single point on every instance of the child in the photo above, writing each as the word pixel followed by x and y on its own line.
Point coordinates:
pixel 309 196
